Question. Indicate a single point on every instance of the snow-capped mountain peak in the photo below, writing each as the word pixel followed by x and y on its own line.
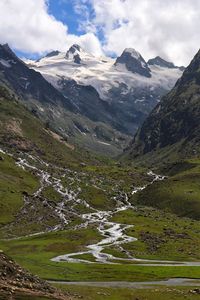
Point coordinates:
pixel 133 53
pixel 129 71
pixel 74 48
pixel 77 55
pixel 128 85
pixel 134 62
pixel 159 61
pixel 48 55
pixel 53 53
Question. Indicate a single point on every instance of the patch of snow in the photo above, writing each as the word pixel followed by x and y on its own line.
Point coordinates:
pixel 5 63
pixel 12 61
pixel 133 53
pixel 41 108
pixel 101 73
pixel 103 143
pixel 3 152
pixel 139 100
pixel 28 61
pixel 27 85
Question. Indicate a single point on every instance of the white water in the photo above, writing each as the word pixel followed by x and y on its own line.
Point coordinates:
pixel 113 234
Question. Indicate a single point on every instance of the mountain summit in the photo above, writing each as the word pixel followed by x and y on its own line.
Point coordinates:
pixel 74 48
pixel 134 62
pixel 74 53
pixel 120 92
pixel 159 61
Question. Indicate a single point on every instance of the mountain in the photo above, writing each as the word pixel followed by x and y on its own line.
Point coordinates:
pixel 27 83
pixel 169 140
pixel 120 92
pixel 21 130
pixel 60 206
pixel 134 62
pixel 81 126
pixel 158 61
pixel 74 53
pixel 173 126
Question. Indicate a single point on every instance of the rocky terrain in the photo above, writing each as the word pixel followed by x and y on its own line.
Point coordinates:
pixel 120 92
pixel 69 215
pixel 99 150
pixel 59 112
pixel 169 140
pixel 16 282
pixel 172 129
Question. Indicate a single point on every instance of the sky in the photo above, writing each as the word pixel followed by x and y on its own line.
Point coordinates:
pixel 167 28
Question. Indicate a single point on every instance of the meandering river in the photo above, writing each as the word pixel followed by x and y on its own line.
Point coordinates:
pixel 113 233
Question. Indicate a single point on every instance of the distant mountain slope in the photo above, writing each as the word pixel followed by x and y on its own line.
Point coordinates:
pixel 59 111
pixel 70 97
pixel 20 130
pixel 159 61
pixel 129 86
pixel 27 83
pixel 173 128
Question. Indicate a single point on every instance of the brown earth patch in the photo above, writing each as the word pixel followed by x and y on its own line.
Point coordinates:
pixel 60 139
pixel 15 281
pixel 14 126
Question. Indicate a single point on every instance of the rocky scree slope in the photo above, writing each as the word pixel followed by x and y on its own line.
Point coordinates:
pixel 16 282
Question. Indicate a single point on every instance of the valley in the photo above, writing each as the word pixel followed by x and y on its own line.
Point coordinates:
pixel 77 233
pixel 84 205
pixel 75 217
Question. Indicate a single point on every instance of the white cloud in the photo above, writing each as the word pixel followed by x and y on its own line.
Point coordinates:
pixel 27 26
pixel 167 28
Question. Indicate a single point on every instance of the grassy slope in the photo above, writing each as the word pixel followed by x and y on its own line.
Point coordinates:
pixel 161 293
pixel 98 293
pixel 180 193
pixel 35 253
pixel 161 235
pixel 13 183
pixel 22 130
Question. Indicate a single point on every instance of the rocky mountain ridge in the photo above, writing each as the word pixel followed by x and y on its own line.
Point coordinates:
pixel 57 110
pixel 174 123
pixel 129 86
pixel 95 103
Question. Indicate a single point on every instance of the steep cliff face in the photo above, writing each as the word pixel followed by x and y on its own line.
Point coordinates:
pixel 175 121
